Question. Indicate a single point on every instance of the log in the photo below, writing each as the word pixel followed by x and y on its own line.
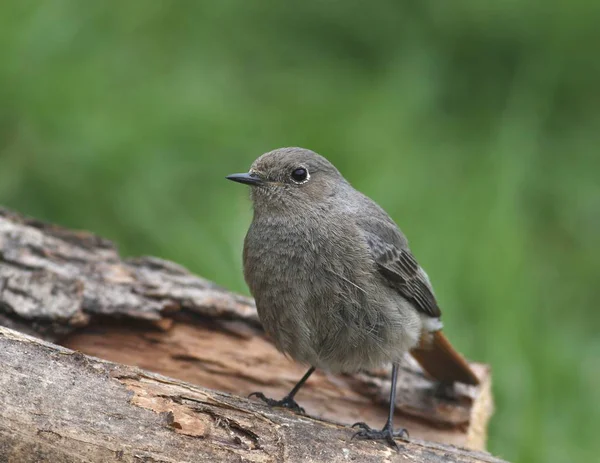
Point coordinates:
pixel 72 288
pixel 61 406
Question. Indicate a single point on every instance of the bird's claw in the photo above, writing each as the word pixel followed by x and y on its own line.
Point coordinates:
pixel 362 425
pixel 387 434
pixel 286 402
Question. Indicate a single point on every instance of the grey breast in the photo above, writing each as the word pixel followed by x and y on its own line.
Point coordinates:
pixel 317 293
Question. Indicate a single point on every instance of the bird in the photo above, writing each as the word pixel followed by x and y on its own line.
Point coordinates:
pixel 335 283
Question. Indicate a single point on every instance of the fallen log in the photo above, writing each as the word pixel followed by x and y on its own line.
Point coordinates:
pixel 58 405
pixel 72 288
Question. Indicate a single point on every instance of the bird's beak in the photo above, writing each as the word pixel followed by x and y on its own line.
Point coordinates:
pixel 247 178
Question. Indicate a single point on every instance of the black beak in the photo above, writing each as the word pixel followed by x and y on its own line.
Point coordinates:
pixel 248 179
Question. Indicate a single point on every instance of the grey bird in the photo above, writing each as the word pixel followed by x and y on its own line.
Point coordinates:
pixel 335 283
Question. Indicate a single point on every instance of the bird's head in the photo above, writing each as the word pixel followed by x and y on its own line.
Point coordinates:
pixel 288 178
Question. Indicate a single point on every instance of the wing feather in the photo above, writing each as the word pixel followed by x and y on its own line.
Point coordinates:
pixel 402 272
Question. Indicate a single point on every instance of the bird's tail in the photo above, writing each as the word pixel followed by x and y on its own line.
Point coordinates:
pixel 443 362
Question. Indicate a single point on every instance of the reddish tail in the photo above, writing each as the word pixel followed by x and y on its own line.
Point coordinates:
pixel 443 362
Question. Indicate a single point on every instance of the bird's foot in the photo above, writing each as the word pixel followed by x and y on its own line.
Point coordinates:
pixel 387 433
pixel 286 402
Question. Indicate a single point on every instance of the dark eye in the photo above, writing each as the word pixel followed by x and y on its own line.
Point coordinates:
pixel 300 175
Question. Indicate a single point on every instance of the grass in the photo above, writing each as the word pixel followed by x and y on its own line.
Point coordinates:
pixel 475 125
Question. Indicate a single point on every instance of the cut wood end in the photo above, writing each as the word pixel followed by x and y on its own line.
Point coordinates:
pixel 482 408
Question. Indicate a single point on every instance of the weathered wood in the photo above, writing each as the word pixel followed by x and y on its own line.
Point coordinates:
pixel 54 281
pixel 59 406
pixel 228 357
pixel 73 288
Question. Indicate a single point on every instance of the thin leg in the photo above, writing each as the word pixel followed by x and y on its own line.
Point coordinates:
pixel 389 423
pixel 288 401
pixel 300 383
pixel 387 433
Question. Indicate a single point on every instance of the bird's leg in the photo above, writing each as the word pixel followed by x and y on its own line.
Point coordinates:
pixel 288 401
pixel 387 433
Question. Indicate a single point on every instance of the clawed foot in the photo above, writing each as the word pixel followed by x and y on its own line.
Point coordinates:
pixel 286 402
pixel 387 434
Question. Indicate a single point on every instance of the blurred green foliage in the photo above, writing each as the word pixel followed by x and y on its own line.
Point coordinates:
pixel 475 124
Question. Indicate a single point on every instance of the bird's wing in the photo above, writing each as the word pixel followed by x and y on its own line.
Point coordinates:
pixel 397 265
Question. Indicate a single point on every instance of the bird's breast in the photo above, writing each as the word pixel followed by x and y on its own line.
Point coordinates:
pixel 281 258
pixel 317 294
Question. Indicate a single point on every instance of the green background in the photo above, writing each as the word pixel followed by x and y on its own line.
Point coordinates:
pixel 474 124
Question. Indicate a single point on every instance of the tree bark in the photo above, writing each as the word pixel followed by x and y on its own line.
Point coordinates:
pixel 59 406
pixel 72 288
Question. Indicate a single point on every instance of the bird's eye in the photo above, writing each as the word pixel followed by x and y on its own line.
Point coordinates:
pixel 300 175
